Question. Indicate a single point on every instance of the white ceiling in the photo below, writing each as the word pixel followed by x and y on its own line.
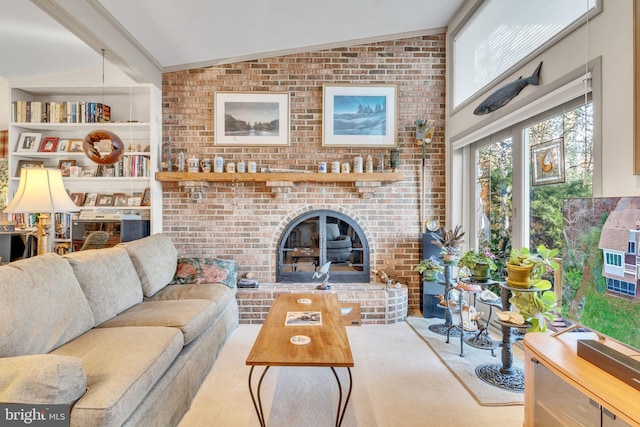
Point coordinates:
pixel 148 37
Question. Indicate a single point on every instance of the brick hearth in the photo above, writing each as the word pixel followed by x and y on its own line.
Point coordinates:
pixel 378 305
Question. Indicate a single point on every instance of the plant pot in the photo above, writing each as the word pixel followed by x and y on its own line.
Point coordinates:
pixel 450 258
pixel 429 275
pixel 480 273
pixel 518 276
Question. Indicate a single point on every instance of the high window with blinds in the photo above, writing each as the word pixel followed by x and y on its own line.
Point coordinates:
pixel 502 33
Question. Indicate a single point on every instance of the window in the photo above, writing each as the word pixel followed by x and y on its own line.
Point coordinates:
pixel 562 141
pixel 621 287
pixel 494 201
pixel 613 259
pixel 503 33
pixel 568 128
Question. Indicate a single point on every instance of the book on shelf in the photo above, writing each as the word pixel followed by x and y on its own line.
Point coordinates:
pixel 132 165
pixel 60 112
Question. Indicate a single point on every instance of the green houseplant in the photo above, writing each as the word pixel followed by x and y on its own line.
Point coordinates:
pixel 429 268
pixel 525 268
pixel 535 306
pixel 479 263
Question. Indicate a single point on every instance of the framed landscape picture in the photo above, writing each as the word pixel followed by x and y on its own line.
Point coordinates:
pixel 251 119
pixel 359 116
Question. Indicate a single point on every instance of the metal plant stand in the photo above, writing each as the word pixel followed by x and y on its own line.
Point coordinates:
pixel 481 339
pixel 505 376
pixel 449 283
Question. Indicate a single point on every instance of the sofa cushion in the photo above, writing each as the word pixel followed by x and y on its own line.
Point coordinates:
pixel 190 316
pixel 108 279
pixel 155 259
pixel 122 365
pixel 206 270
pixel 41 379
pixel 41 306
pixel 220 294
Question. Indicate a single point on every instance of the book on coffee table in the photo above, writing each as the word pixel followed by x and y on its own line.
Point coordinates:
pixel 303 318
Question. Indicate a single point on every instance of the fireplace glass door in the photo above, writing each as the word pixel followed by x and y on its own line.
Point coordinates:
pixel 318 237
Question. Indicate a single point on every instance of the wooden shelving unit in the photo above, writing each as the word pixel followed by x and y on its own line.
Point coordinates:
pixel 135 112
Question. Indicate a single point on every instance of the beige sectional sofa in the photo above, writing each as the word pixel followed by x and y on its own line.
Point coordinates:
pixel 107 332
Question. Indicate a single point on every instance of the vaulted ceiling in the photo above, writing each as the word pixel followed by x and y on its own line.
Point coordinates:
pixel 149 37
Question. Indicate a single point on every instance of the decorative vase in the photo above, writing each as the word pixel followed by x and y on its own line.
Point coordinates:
pixel 480 273
pixel 394 160
pixel 518 276
pixel 429 275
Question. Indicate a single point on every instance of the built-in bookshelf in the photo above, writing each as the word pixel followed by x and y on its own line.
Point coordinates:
pixel 47 129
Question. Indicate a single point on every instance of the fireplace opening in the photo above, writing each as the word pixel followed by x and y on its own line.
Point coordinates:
pixel 317 237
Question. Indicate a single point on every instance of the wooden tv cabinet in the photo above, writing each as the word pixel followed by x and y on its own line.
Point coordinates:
pixel 565 390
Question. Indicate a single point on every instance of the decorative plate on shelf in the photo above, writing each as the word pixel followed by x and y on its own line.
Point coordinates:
pixel 432 224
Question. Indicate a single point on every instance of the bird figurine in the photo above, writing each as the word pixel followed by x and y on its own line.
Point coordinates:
pixel 324 271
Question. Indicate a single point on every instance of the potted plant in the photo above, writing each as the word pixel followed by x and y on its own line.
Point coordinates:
pixel 449 242
pixel 535 306
pixel 480 264
pixel 429 268
pixel 525 268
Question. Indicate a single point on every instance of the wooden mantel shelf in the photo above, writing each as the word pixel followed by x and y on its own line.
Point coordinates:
pixel 279 176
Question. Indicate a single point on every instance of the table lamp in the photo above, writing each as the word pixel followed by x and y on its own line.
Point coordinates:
pixel 41 191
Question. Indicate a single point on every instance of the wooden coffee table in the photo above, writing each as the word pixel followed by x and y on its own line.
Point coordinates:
pixel 329 345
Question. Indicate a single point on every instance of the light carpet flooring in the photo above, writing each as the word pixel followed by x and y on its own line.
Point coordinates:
pixel 397 382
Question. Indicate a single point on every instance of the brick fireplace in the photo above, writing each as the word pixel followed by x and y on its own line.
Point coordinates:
pixel 317 237
pixel 243 221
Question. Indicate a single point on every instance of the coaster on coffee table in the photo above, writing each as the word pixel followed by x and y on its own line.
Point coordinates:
pixel 300 340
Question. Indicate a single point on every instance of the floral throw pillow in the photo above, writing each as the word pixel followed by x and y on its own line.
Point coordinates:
pixel 205 270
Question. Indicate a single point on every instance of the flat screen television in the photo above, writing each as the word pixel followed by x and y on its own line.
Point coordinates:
pixel 601 266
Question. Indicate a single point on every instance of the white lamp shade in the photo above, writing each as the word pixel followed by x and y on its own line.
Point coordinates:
pixel 41 190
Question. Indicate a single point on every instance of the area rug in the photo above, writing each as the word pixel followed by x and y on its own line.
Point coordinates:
pixel 464 368
pixel 397 381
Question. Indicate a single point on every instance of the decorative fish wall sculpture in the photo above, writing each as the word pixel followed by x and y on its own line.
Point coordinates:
pixel 506 93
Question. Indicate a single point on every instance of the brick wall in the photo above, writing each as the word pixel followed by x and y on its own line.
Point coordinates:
pixel 242 221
